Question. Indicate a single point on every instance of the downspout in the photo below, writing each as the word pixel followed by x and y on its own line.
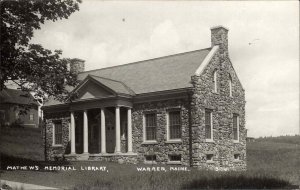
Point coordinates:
pixel 190 128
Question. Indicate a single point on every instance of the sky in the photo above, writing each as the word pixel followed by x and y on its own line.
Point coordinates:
pixel 263 46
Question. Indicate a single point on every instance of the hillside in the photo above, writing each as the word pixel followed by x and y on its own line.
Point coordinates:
pixel 22 143
pixel 277 156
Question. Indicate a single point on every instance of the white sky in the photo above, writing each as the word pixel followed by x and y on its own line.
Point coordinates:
pixel 111 33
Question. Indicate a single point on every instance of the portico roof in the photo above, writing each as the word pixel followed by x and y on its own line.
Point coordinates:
pixel 116 87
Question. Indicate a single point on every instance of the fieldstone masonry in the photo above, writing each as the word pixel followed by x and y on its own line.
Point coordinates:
pixel 57 152
pixel 162 148
pixel 223 107
pixel 193 148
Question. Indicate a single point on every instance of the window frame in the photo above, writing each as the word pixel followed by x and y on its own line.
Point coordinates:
pixel 147 161
pixel 168 132
pixel 31 116
pixel 177 162
pixel 152 141
pixel 230 85
pixel 215 81
pixel 17 116
pixel 210 111
pixel 236 156
pixel 54 143
pixel 237 128
pixel 210 156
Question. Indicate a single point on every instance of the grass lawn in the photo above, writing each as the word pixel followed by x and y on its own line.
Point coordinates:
pixel 22 143
pixel 272 161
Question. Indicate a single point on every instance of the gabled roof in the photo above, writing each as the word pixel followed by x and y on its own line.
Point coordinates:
pixel 15 96
pixel 159 74
pixel 114 86
pixel 154 75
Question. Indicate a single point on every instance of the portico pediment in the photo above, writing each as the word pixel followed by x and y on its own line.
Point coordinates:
pixel 97 87
pixel 92 90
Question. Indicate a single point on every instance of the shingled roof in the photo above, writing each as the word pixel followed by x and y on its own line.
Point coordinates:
pixel 153 75
pixel 15 96
pixel 159 74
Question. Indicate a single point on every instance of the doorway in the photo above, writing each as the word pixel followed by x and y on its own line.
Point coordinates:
pixel 110 131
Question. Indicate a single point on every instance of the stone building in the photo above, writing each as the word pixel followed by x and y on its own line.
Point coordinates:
pixel 187 109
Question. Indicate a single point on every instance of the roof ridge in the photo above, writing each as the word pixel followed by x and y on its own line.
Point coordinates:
pixel 129 89
pixel 105 78
pixel 137 62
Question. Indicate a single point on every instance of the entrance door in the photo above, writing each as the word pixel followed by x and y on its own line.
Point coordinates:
pixel 110 133
pixel 78 133
pixel 93 138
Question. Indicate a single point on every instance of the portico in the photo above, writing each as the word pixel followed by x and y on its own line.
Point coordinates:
pixel 101 133
pixel 100 119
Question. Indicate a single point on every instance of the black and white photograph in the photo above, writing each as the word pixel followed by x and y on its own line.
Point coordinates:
pixel 142 95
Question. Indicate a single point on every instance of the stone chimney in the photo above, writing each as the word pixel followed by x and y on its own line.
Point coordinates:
pixel 77 65
pixel 219 36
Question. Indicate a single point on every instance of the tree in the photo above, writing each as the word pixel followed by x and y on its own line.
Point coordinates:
pixel 30 66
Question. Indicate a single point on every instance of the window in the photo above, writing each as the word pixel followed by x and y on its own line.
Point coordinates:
pixel 208 124
pixel 31 117
pixel 57 133
pixel 215 75
pixel 235 127
pixel 17 115
pixel 236 156
pixel 174 123
pixel 175 158
pixel 230 85
pixel 150 157
pixel 150 125
pixel 209 157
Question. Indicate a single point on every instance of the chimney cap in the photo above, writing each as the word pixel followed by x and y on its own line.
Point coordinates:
pixel 78 60
pixel 218 27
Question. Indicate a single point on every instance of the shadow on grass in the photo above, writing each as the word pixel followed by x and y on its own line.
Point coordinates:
pixel 238 182
pixel 8 161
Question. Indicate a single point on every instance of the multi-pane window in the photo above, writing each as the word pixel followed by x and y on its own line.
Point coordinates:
pixel 215 75
pixel 208 124
pixel 235 127
pixel 150 122
pixel 174 125
pixel 150 157
pixel 175 157
pixel 57 133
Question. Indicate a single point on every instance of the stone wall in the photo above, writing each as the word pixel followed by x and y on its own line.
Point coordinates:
pixel 77 65
pixel 162 149
pixel 223 107
pixel 56 152
pixel 121 159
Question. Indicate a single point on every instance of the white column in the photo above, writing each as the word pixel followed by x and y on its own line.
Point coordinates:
pixel 118 134
pixel 103 134
pixel 72 131
pixel 129 130
pixel 99 135
pixel 85 132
